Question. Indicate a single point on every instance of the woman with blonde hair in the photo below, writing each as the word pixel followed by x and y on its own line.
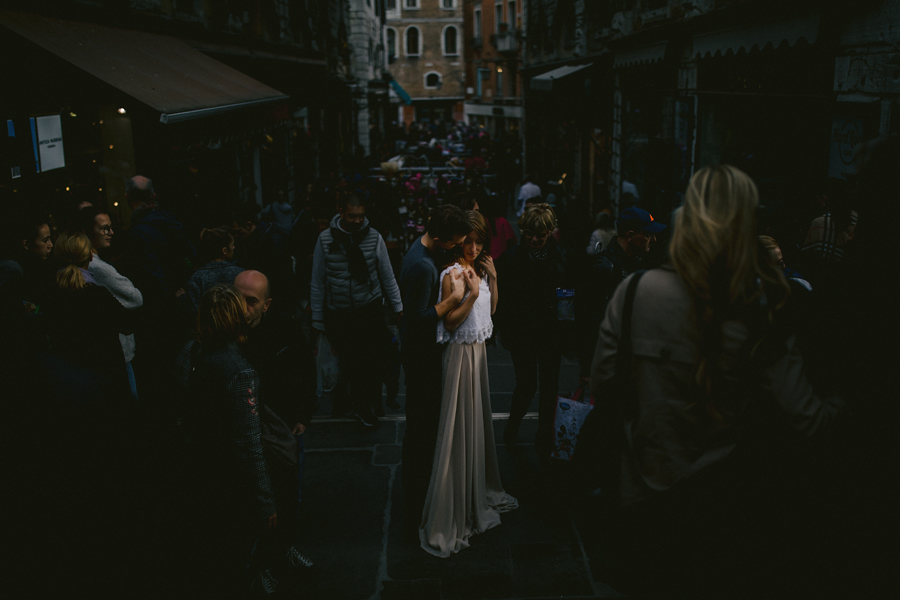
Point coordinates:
pixel 235 492
pixel 532 271
pixel 701 357
pixel 84 315
pixel 772 255
pixel 465 496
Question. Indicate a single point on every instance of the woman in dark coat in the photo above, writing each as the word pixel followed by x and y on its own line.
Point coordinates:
pixel 222 415
pixel 531 273
pixel 85 321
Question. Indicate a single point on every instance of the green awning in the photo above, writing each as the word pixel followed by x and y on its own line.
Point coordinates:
pixel 407 100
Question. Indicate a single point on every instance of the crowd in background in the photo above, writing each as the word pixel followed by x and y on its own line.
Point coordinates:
pixel 105 378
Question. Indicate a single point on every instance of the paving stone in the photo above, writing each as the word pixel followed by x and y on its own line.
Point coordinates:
pixel 420 589
pixel 387 454
pixel 343 520
pixel 481 571
pixel 348 434
pixel 544 569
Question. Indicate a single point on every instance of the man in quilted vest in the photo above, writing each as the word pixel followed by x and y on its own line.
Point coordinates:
pixel 351 275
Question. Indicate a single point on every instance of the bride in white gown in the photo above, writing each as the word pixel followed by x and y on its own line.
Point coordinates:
pixel 465 496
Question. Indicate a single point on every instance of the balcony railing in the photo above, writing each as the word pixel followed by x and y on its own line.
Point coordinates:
pixel 476 43
pixel 507 41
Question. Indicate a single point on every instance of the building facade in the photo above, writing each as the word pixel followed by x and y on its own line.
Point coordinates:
pixel 655 89
pixel 494 41
pixel 218 103
pixel 370 89
pixel 425 54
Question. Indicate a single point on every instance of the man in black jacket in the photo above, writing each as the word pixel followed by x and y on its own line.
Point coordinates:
pixel 278 350
pixel 158 258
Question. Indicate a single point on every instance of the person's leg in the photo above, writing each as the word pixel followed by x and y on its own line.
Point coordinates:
pixel 423 410
pixel 132 384
pixel 548 360
pixel 391 376
pixel 340 334
pixel 525 366
pixel 372 362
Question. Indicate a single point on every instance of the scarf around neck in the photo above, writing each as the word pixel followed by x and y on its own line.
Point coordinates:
pixel 359 270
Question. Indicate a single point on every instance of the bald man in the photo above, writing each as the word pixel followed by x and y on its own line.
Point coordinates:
pixel 278 350
pixel 158 259
pixel 254 287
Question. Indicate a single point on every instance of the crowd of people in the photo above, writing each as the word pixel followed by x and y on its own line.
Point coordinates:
pixel 179 358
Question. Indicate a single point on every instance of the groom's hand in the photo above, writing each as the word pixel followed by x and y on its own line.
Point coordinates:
pixel 457 286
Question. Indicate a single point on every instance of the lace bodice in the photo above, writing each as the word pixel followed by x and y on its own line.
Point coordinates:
pixel 478 325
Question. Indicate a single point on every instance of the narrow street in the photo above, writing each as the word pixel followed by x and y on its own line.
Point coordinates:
pixel 353 511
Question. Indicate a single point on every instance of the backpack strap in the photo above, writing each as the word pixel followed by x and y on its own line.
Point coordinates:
pixel 625 334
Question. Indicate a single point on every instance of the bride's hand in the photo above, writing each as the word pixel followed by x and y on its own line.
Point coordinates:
pixel 487 263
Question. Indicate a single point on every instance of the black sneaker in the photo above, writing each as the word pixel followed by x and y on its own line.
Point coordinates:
pixel 392 404
pixel 264 584
pixel 295 559
pixel 378 410
pixel 367 420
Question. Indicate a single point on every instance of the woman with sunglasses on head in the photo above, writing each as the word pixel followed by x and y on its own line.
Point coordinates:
pixel 465 496
pixel 532 271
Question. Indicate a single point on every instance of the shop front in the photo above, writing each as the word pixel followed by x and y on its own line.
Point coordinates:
pixel 131 102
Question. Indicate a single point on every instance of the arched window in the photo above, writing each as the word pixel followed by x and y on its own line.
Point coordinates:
pixel 451 41
pixel 412 41
pixel 391 44
pixel 433 80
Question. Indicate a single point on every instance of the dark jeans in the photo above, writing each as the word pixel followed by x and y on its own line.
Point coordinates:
pixel 358 338
pixel 535 361
pixel 272 545
pixel 423 368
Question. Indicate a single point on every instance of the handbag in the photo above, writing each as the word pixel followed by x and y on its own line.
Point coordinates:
pixel 570 416
pixel 602 436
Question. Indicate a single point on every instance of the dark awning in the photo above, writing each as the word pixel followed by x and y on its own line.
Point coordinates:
pixel 544 81
pixel 757 36
pixel 162 72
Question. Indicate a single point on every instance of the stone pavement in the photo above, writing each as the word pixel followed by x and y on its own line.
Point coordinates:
pixel 353 507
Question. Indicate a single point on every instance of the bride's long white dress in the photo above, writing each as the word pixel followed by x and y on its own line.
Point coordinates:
pixel 465 496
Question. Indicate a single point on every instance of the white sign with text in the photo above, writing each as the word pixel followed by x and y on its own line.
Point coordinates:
pixel 50 143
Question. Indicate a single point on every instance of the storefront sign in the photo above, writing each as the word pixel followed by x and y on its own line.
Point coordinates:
pixel 50 143
pixel 846 134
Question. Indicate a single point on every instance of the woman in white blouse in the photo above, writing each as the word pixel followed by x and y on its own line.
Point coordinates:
pixel 465 495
